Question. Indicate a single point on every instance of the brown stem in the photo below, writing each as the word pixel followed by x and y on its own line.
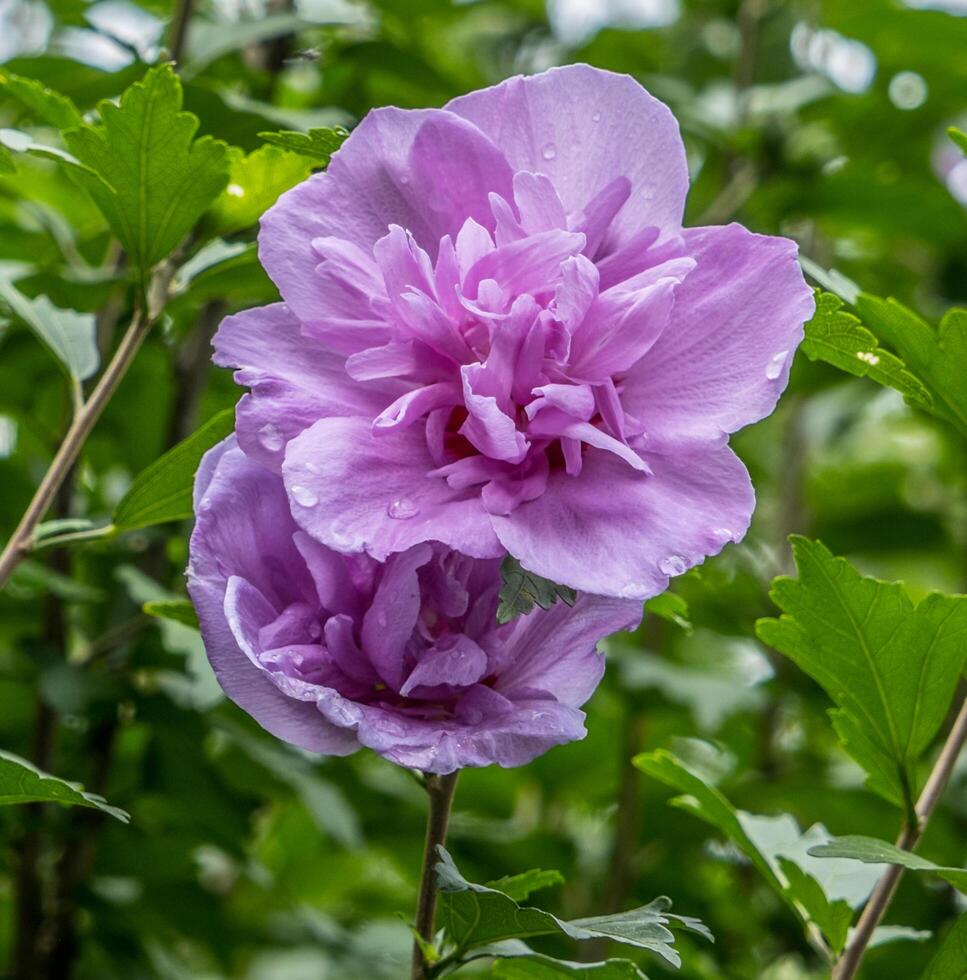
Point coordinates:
pixel 440 790
pixel 849 963
pixel 178 36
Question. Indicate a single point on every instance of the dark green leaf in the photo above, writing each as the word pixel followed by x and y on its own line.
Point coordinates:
pixel 534 966
pixel 162 492
pixel 522 590
pixel 153 179
pixel 23 782
pixel 949 962
pixel 832 917
pixel 870 850
pixel 476 915
pixel 890 667
pixel 837 337
pixel 318 144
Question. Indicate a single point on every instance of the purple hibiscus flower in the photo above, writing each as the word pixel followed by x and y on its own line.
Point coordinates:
pixel 497 335
pixel 332 651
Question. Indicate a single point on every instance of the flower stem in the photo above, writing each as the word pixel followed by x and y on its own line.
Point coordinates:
pixel 440 790
pixel 849 963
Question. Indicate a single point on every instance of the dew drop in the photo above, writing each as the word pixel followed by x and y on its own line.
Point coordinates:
pixel 775 366
pixel 596 117
pixel 672 565
pixel 402 509
pixel 271 438
pixel 304 496
pixel 549 151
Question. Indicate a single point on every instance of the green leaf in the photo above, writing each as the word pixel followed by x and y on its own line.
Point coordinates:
pixel 151 179
pixel 522 590
pixel 68 335
pixel 870 850
pixel 890 667
pixel 319 143
pixel 33 576
pixel 938 355
pixel 476 915
pixel 23 782
pixel 214 254
pixel 672 608
pixel 255 182
pixel 837 337
pixel 948 964
pixel 825 896
pixel 7 165
pixel 162 492
pixel 959 137
pixel 832 917
pixel 178 610
pixel 519 887
pixel 535 966
pixel 43 103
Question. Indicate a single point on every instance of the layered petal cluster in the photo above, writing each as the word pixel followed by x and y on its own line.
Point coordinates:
pixel 334 651
pixel 496 335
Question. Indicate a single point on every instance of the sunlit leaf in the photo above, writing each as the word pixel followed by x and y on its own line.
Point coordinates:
pixel 948 963
pixel 154 179
pixel 318 144
pixel 891 667
pixel 41 102
pixel 178 610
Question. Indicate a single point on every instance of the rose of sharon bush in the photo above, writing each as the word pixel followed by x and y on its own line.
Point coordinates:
pixel 497 335
pixel 332 651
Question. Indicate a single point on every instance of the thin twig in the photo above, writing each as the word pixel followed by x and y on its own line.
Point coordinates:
pixel 84 420
pixel 440 790
pixel 849 962
pixel 178 37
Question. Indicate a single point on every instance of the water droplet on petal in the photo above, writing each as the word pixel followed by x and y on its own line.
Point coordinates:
pixel 775 366
pixel 402 509
pixel 596 117
pixel 673 565
pixel 549 151
pixel 304 496
pixel 271 438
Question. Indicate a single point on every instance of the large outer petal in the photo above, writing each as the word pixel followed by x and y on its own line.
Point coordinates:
pixel 371 183
pixel 607 530
pixel 294 381
pixel 584 127
pixel 243 527
pixel 723 359
pixel 352 481
pixel 554 649
pixel 527 729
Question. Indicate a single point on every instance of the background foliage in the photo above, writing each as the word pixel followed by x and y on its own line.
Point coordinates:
pixel 824 120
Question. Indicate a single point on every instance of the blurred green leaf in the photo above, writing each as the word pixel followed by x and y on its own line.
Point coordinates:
pixel 319 144
pixel 255 182
pixel 151 179
pixel 519 887
pixel 476 915
pixel 178 610
pixel 870 850
pixel 43 103
pixel 948 964
pixel 672 608
pixel 959 137
pixel 837 337
pixel 890 667
pixel 162 492
pixel 938 355
pixel 23 782
pixel 522 590
pixel 70 336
